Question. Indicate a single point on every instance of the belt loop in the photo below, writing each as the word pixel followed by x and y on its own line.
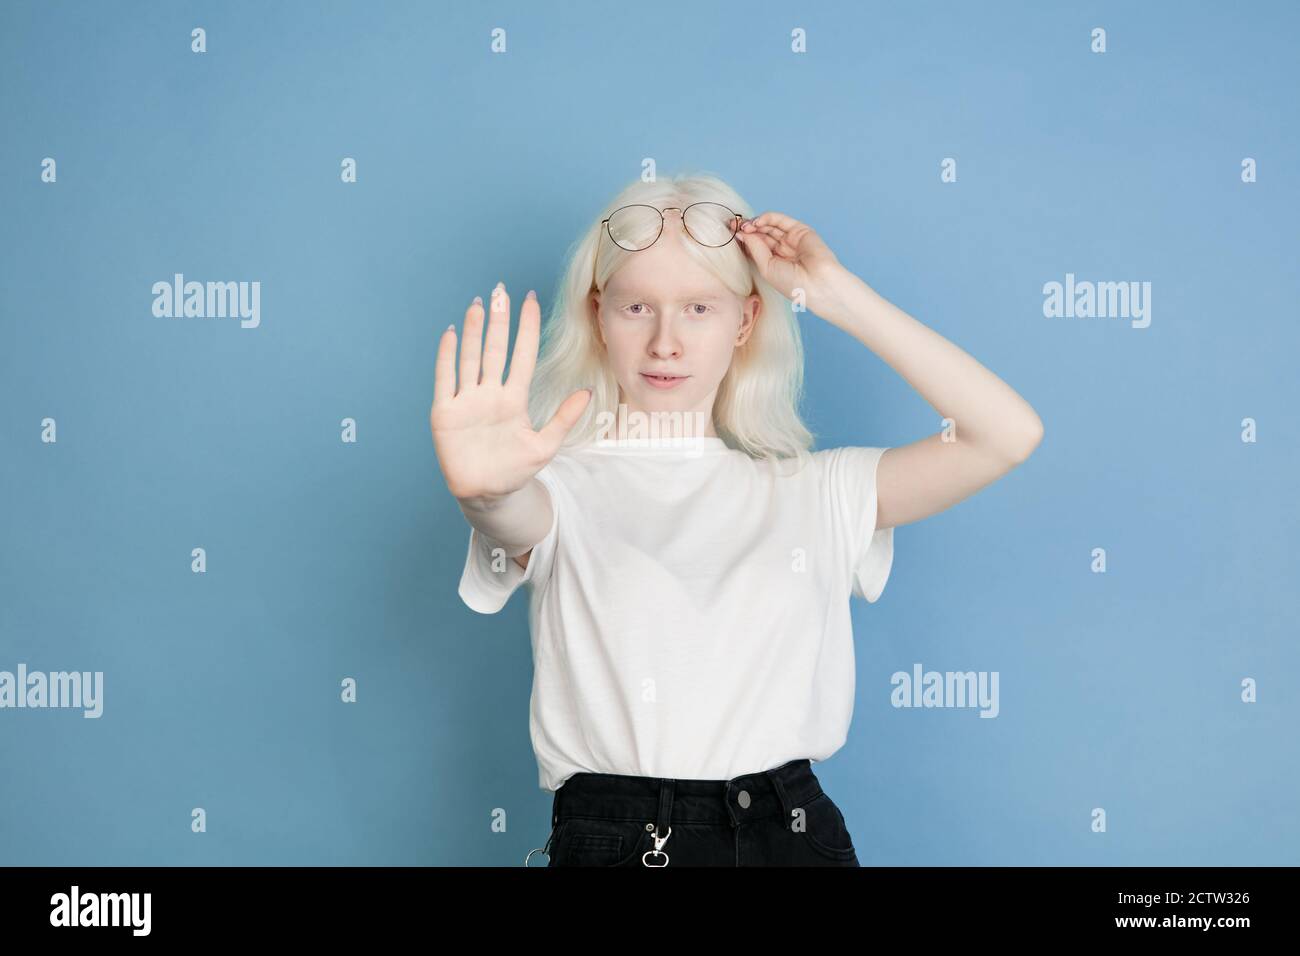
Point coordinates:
pixel 786 808
pixel 664 819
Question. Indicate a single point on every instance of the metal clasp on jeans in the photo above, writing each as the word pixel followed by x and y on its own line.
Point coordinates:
pixel 544 849
pixel 659 845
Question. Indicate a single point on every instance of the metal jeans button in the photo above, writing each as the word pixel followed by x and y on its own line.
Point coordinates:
pixel 743 799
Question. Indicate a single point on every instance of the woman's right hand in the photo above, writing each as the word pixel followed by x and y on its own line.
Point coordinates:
pixel 484 439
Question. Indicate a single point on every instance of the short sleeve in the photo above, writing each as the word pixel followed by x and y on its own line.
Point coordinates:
pixel 489 579
pixel 851 479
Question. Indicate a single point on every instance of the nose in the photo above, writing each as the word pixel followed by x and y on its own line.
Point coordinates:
pixel 665 343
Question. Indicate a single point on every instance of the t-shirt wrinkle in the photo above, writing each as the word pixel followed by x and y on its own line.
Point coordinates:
pixel 689 607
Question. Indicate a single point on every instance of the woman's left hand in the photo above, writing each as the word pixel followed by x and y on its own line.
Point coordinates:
pixel 790 256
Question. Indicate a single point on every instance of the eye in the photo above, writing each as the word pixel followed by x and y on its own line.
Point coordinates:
pixel 635 305
pixel 700 305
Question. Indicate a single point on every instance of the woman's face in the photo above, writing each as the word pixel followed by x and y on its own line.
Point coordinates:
pixel 662 313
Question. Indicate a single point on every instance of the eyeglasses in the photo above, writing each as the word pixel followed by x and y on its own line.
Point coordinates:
pixel 638 226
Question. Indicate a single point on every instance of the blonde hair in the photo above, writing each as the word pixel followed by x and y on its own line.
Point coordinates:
pixel 756 409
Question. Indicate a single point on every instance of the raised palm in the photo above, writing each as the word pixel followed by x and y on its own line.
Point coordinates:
pixel 485 442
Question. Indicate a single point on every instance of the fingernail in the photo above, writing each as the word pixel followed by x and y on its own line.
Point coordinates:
pixel 500 286
pixel 531 295
pixel 478 300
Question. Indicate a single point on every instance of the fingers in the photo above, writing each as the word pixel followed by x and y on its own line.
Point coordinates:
pixel 485 358
pixel 498 335
pixel 565 417
pixel 778 219
pixel 525 355
pixel 778 241
pixel 471 345
pixel 759 248
pixel 785 230
pixel 444 372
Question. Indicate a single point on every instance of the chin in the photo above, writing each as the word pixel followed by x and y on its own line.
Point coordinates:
pixel 653 400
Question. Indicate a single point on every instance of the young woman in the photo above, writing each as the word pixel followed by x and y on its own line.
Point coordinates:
pixel 689 561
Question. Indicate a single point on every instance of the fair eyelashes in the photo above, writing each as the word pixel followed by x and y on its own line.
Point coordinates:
pixel 708 308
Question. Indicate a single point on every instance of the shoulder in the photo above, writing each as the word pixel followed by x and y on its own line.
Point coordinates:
pixel 847 456
pixel 848 469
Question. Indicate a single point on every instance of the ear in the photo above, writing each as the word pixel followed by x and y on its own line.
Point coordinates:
pixel 593 306
pixel 749 318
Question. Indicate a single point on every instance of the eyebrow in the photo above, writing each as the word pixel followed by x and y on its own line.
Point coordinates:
pixel 690 296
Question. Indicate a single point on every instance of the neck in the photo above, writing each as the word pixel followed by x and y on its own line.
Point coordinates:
pixel 636 423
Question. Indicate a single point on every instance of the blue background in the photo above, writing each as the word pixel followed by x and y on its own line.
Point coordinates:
pixel 326 560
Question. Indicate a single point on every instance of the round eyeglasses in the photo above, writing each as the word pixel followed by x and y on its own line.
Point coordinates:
pixel 638 226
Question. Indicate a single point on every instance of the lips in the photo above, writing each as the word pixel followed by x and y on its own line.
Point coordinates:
pixel 663 380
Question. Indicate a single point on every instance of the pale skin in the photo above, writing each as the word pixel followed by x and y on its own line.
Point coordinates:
pixel 662 312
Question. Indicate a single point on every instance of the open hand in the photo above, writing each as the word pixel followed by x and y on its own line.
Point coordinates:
pixel 484 439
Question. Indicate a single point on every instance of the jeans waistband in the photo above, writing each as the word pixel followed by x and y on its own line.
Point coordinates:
pixel 766 793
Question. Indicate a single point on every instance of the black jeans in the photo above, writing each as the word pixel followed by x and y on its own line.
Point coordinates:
pixel 777 817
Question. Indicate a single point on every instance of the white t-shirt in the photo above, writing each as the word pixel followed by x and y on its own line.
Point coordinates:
pixel 689 607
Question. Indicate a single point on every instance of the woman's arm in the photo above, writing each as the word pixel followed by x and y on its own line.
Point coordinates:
pixel 994 429
pixel 516 521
